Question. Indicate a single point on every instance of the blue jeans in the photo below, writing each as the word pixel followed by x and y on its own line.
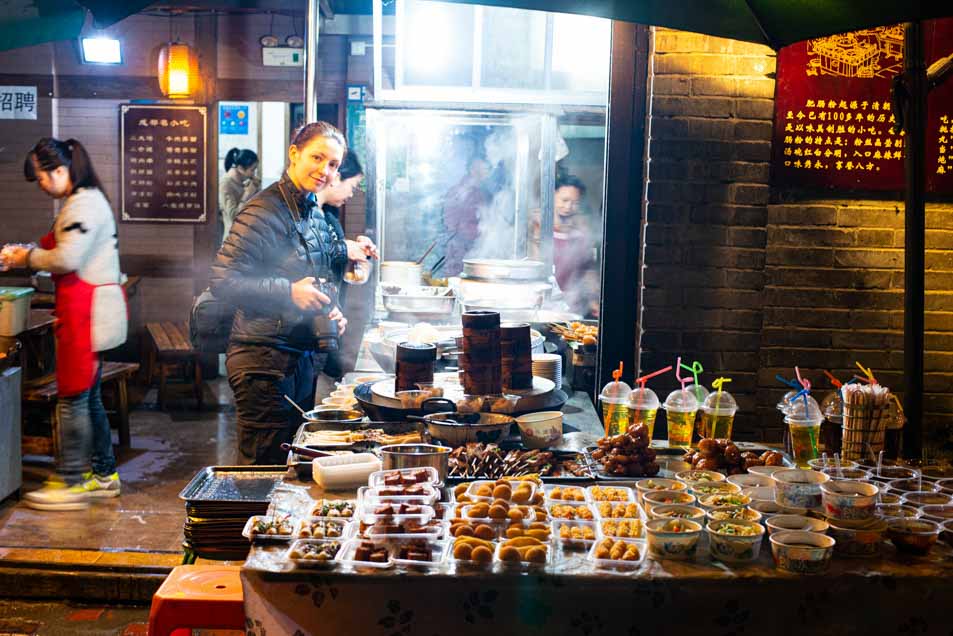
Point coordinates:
pixel 83 427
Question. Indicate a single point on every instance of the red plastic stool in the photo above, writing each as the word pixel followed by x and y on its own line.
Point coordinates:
pixel 198 596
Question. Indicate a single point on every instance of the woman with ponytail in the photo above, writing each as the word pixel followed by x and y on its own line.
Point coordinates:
pixel 238 185
pixel 81 252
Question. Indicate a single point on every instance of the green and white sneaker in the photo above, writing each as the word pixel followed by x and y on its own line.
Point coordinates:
pixel 57 496
pixel 101 487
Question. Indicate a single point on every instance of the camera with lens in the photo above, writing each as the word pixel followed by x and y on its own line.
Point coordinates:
pixel 325 329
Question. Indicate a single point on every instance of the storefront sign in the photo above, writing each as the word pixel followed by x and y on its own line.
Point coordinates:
pixel 163 159
pixel 833 120
pixel 17 102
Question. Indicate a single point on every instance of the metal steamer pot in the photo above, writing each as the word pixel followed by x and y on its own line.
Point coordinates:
pixel 491 269
pixel 402 273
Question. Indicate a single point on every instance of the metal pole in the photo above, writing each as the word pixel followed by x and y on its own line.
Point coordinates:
pixel 311 61
pixel 914 155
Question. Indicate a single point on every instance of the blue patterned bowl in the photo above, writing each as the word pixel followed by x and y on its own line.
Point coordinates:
pixel 797 488
pixel 673 538
pixel 802 552
pixel 730 542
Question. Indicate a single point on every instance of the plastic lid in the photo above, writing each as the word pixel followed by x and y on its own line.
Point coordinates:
pixel 615 392
pixel 804 411
pixel 832 406
pixel 643 399
pixel 12 293
pixel 720 403
pixel 699 391
pixel 784 403
pixel 681 401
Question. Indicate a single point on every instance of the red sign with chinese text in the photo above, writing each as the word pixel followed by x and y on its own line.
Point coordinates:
pixel 833 119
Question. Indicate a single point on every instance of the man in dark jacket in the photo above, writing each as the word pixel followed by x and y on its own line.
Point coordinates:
pixel 279 245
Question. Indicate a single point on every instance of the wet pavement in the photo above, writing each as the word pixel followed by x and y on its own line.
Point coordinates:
pixel 168 448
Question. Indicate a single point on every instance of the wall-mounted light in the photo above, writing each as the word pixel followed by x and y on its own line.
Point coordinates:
pixel 100 50
pixel 178 70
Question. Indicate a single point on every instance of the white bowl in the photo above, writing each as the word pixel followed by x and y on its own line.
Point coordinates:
pixel 541 430
pixel 751 480
pixel 765 470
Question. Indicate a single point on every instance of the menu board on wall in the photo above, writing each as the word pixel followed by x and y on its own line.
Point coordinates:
pixel 833 121
pixel 163 158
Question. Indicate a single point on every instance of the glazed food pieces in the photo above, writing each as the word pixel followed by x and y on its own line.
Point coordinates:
pixel 600 493
pixel 625 528
pixel 722 455
pixel 371 553
pixel 272 526
pixel 334 508
pixel 735 529
pixel 410 526
pixel 491 462
pixel 577 532
pixel 627 454
pixel 609 510
pixel 473 549
pixel 321 529
pixel 416 550
pixel 303 551
pixel 617 550
pixel 526 549
pixel 404 491
pixel 563 511
pixel 407 477
pixel 389 510
pixel 567 493
pixel 577 332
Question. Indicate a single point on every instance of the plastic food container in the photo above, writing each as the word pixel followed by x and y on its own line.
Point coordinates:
pixel 508 563
pixel 945 485
pixel 303 553
pixel 564 510
pixel 729 547
pixel 404 477
pixel 890 473
pixel 433 531
pixel 323 528
pixel 780 523
pixel 250 532
pixel 751 480
pixel 438 555
pixel 673 538
pixel 796 488
pixel 575 527
pixel 853 474
pixel 922 499
pixel 826 462
pixel 529 489
pixel 619 565
pixel 913 536
pixel 14 309
pixel 802 552
pixel 616 494
pixel 349 557
pixel 631 528
pixel 380 495
pixel 558 493
pixel 370 518
pixel 890 511
pixel 849 499
pixel 340 472
pixel 913 485
pixel 938 513
pixel 855 539
pixel 946 532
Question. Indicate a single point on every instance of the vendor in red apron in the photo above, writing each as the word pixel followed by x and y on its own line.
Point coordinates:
pixel 81 252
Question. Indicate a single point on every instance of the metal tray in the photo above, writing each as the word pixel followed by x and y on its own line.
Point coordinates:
pixel 302 465
pixel 240 485
pixel 669 459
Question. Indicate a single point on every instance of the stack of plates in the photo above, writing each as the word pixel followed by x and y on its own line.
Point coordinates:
pixel 549 366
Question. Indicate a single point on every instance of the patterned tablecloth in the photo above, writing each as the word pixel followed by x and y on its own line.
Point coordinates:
pixel 893 594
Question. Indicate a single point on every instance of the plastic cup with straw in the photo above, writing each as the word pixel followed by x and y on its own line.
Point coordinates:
pixel 680 408
pixel 718 411
pixel 804 424
pixel 615 404
pixel 698 389
pixel 644 403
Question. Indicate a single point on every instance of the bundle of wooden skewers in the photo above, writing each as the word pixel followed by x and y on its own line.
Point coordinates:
pixel 866 414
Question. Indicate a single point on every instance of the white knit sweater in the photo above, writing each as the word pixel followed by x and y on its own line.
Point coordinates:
pixel 87 243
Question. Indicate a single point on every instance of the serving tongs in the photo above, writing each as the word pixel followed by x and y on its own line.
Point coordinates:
pixel 304 451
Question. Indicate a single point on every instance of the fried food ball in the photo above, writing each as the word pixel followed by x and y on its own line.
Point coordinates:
pixel 536 555
pixel 484 490
pixel 484 531
pixel 503 491
pixel 463 530
pixel 508 553
pixel 462 551
pixel 708 447
pixel 481 554
pixel 497 512
pixel 514 514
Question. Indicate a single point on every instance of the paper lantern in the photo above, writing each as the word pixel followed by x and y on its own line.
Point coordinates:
pixel 178 71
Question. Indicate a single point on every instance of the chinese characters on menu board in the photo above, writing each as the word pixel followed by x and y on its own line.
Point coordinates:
pixel 833 121
pixel 163 163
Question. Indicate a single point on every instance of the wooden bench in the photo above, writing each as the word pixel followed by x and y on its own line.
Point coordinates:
pixel 43 391
pixel 170 348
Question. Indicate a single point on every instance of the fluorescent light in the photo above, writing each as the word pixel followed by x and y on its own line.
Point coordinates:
pixel 101 50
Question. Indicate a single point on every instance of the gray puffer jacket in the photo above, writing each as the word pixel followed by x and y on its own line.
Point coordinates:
pixel 280 236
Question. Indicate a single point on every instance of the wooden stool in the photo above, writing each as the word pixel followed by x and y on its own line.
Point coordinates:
pixel 198 596
pixel 171 348
pixel 44 392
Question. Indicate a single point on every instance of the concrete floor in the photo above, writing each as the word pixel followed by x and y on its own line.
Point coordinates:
pixel 168 448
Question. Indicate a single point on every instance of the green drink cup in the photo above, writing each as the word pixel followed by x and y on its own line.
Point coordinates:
pixel 680 408
pixel 718 415
pixel 804 425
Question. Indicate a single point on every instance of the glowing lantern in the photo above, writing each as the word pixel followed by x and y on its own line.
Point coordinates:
pixel 178 71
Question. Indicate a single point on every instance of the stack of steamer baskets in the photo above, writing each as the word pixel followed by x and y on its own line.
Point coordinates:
pixel 496 371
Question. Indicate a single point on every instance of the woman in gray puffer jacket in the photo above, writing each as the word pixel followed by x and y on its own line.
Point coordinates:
pixel 279 246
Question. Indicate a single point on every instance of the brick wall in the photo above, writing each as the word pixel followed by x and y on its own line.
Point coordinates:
pixel 752 288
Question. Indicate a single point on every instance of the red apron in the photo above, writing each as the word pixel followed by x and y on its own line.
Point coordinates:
pixel 75 359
